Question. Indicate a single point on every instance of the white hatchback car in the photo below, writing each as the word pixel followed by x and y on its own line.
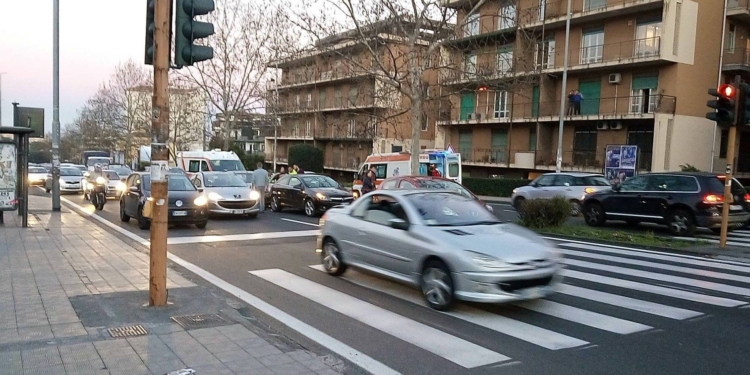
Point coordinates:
pixel 573 186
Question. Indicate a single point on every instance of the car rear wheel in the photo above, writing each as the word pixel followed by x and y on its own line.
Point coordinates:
pixel 437 285
pixel 275 204
pixel 123 216
pixel 202 224
pixel 331 258
pixel 681 223
pixel 143 222
pixel 309 207
pixel 593 214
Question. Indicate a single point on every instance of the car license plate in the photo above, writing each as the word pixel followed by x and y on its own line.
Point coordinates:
pixel 532 293
pixel 735 207
pixel 237 212
pixel 179 213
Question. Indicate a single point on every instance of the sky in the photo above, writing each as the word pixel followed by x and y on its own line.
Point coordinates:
pixel 95 36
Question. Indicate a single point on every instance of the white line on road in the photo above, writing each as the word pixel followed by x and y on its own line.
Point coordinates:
pixel 452 348
pixel 358 358
pixel 300 222
pixel 240 237
pixel 585 317
pixel 498 323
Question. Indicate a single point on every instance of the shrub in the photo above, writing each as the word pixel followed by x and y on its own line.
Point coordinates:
pixel 544 213
pixel 688 168
pixel 308 157
pixel 495 187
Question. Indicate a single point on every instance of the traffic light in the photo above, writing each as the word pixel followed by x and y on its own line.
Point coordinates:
pixel 150 27
pixel 188 30
pixel 744 103
pixel 724 105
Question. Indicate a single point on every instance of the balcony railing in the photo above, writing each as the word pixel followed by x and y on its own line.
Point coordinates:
pixel 317 76
pixel 486 25
pixel 736 57
pixel 573 160
pixel 616 52
pixel 343 161
pixel 555 10
pixel 738 6
pixel 342 105
pixel 614 107
pixel 281 158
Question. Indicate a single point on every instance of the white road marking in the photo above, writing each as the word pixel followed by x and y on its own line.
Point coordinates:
pixel 498 323
pixel 300 222
pixel 454 349
pixel 655 289
pixel 668 267
pixel 585 317
pixel 710 240
pixel 661 277
pixel 240 237
pixel 675 258
pixel 358 358
pixel 628 303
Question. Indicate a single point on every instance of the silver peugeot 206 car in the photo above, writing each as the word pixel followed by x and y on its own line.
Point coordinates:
pixel 227 194
pixel 445 243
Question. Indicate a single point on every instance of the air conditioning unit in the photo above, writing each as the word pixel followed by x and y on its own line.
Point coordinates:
pixel 480 116
pixel 473 116
pixel 615 78
pixel 616 125
pixel 602 126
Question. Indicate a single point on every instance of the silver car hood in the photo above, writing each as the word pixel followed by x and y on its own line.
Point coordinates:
pixel 230 193
pixel 508 242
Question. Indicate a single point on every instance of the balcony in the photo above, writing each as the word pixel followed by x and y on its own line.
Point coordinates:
pixel 291 109
pixel 485 27
pixel 737 59
pixel 281 158
pixel 573 160
pixel 344 162
pixel 602 56
pixel 739 10
pixel 613 108
pixel 344 133
pixel 552 13
pixel 315 77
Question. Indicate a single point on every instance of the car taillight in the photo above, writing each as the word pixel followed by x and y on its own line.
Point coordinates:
pixel 712 199
pixel 747 197
pixel 589 190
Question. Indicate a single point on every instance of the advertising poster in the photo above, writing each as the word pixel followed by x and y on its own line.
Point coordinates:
pixel 8 176
pixel 620 162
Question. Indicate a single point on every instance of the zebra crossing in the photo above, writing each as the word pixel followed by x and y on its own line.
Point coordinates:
pixel 609 292
pixel 739 237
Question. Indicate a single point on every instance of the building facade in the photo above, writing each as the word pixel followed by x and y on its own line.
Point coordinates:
pixel 246 130
pixel 642 68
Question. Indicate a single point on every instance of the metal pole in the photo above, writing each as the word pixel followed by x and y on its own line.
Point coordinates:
pixel 718 83
pixel 157 295
pixel 739 98
pixel 56 107
pixel 558 164
pixel 277 119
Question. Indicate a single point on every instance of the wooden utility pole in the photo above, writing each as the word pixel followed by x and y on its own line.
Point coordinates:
pixel 157 292
pixel 739 119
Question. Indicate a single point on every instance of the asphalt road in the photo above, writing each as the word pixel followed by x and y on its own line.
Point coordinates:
pixel 621 311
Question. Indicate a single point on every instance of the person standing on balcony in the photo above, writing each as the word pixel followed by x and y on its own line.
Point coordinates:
pixel 571 102
pixel 577 99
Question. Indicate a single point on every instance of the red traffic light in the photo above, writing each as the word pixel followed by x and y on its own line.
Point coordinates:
pixel 727 91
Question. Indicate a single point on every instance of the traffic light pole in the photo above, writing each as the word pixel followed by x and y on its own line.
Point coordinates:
pixel 157 293
pixel 728 197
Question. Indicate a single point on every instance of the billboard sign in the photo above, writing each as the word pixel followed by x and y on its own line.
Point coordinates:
pixel 8 176
pixel 621 162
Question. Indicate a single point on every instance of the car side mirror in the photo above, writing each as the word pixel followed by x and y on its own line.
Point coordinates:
pixel 297 187
pixel 134 189
pixel 534 184
pixel 200 189
pixel 400 224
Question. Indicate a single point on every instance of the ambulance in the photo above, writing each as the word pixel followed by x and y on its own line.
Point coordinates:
pixel 209 161
pixel 399 164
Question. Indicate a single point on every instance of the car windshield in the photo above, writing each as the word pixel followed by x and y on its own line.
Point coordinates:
pixel 177 182
pixel 223 180
pixel 122 171
pixel 112 176
pixel 226 165
pixel 446 209
pixel 92 161
pixel 70 172
pixel 592 181
pixel 246 176
pixel 444 185
pixel 37 170
pixel 319 182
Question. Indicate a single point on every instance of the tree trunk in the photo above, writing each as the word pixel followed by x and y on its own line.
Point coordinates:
pixel 416 118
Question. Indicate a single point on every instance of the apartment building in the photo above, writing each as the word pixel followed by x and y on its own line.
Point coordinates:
pixel 246 130
pixel 332 98
pixel 642 68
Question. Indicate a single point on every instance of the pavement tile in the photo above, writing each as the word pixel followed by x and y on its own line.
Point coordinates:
pixel 201 360
pixel 327 371
pixel 218 369
pixel 251 343
pixel 301 355
pixel 262 351
pixel 289 369
pixel 221 347
pixel 314 364
pixel 245 364
pixel 165 367
pixel 51 370
pixel 205 332
pixel 34 333
pixel 276 359
pixel 112 344
pixel 234 355
pixel 84 366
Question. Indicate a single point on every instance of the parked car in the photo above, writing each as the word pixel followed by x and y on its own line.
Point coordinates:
pixel 309 192
pixel 37 176
pixel 70 181
pixel 186 204
pixel 681 200
pixel 429 183
pixel 446 243
pixel 227 194
pixel 572 186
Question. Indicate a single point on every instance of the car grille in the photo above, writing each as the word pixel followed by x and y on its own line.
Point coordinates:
pixel 236 205
pixel 511 286
pixel 342 199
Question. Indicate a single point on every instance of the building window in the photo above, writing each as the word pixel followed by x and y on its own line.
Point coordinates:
pixel 308 102
pixel 731 38
pixel 296 101
pixel 472 25
pixel 592 44
pixel 647 38
pixel 470 63
pixel 643 98
pixel 296 130
pixel 352 128
pixel 425 122
pixel 507 15
pixel 532 138
pixel 545 57
pixel 594 5
pixel 322 99
pixel 353 96
pixel 542 9
pixel 464 143
pixel 584 145
pixel 501 104
pixel 337 98
pixel 504 59
pixel 308 130
pixel 643 137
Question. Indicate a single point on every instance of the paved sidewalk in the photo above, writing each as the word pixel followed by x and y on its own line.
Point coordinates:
pixel 65 282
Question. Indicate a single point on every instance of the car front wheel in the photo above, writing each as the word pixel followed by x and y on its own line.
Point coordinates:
pixel 275 204
pixel 143 222
pixel 202 224
pixel 123 216
pixel 681 223
pixel 331 258
pixel 309 207
pixel 593 214
pixel 437 285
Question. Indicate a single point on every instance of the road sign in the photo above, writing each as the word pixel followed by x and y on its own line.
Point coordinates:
pixel 450 148
pixel 31 118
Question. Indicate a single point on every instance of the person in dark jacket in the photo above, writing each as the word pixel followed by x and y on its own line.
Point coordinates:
pixel 368 182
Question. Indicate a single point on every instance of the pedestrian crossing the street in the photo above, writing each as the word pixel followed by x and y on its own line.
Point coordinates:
pixel 608 292
pixel 738 237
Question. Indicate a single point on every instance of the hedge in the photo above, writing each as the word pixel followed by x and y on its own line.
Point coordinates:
pixel 544 213
pixel 494 187
pixel 307 156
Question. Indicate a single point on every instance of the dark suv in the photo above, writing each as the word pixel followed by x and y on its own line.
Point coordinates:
pixel 681 200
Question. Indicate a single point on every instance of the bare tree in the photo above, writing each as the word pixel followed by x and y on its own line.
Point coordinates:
pixel 126 106
pixel 247 37
pixel 187 108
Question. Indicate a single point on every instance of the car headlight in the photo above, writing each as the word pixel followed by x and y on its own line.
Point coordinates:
pixel 321 196
pixel 486 261
pixel 254 195
pixel 121 186
pixel 489 208
pixel 201 201
pixel 515 191
pixel 589 190
pixel 213 196
pixel 101 180
pixel 62 182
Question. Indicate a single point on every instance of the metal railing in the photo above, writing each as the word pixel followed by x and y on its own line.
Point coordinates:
pixel 573 160
pixel 738 5
pixel 344 161
pixel 736 56
pixel 344 104
pixel 555 9
pixel 312 76
pixel 622 106
pixel 485 24
pixel 616 52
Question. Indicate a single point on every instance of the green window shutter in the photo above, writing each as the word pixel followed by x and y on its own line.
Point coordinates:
pixel 645 82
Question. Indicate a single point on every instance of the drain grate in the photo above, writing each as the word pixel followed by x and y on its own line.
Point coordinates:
pixel 129 331
pixel 199 321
